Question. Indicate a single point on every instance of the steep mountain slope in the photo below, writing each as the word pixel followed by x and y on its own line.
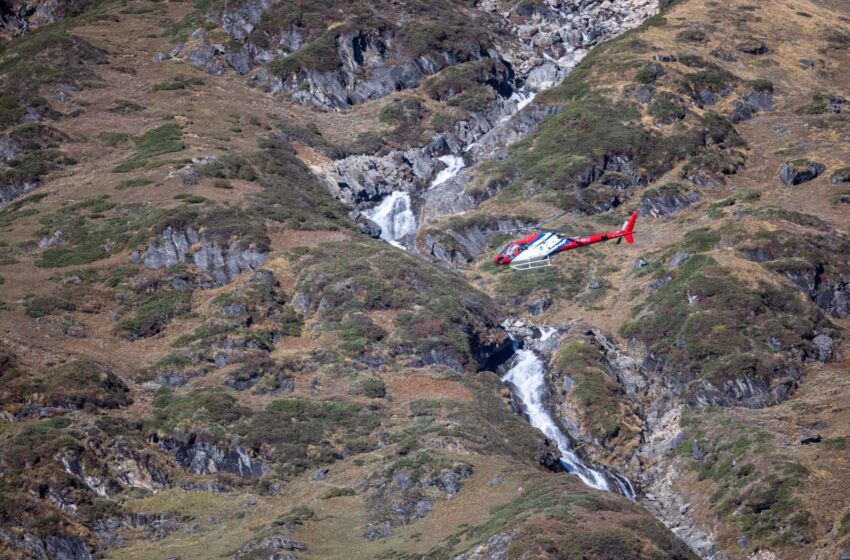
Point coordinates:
pixel 202 353
pixel 725 126
pixel 209 349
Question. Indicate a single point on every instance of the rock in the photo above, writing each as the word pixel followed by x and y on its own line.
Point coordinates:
pixel 752 103
pixel 369 227
pixel 320 474
pixel 205 57
pixel 809 439
pixel 180 284
pixel 840 176
pixel 643 95
pixel 667 199
pixel 753 47
pixel 824 345
pixel 743 541
pixel 723 55
pixel 270 548
pixel 678 259
pixel 844 554
pixel 218 263
pixel 549 457
pixel 161 57
pixel 538 306
pixel 665 58
pixel 448 481
pixel 379 531
pixel 55 238
pixel 697 452
pixel 833 295
pixel 639 263
pixel 800 171
pixel 655 284
pixel 234 309
pixel 239 19
pixel 202 457
pixel 495 548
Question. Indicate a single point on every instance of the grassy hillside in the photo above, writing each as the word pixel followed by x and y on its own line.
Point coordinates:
pixel 202 355
pixel 691 120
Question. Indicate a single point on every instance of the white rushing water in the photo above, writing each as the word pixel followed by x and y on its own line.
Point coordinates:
pixel 453 166
pixel 395 217
pixel 521 98
pixel 529 382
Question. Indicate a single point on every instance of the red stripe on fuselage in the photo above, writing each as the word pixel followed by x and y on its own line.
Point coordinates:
pixel 577 242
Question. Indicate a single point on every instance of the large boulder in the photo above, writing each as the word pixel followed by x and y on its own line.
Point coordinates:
pixel 800 171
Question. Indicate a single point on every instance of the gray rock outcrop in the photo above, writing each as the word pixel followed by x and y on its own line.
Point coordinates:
pixel 664 201
pixel 801 171
pixel 219 263
pixel 203 457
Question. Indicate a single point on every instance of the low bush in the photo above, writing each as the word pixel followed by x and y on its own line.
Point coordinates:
pixel 79 384
pixel 133 183
pixel 161 140
pixel 179 82
pixel 373 387
pixel 41 306
pixel 339 492
pixel 154 313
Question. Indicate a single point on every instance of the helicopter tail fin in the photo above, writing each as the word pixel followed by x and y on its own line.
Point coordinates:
pixel 630 228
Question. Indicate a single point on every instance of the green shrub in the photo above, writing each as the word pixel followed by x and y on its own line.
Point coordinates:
pixel 113 139
pixel 649 73
pixel 692 36
pixel 125 107
pixel 844 524
pixel 319 55
pixel 89 234
pixel 291 426
pixel 373 387
pixel 297 516
pixel 78 384
pixel 693 61
pixel 33 166
pixel 837 38
pixel 41 306
pixel 761 85
pixel 358 332
pixel 211 410
pixel 339 492
pixel 179 82
pixel 152 315
pixel 818 105
pixel 190 198
pixel 666 108
pixel 406 111
pixel 161 140
pixel 133 183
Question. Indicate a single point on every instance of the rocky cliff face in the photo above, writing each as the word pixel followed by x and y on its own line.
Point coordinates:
pixel 19 16
pixel 209 349
pixel 217 264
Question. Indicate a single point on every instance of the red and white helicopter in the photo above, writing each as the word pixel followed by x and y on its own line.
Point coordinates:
pixel 536 249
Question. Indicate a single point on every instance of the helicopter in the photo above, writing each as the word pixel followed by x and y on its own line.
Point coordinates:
pixel 536 249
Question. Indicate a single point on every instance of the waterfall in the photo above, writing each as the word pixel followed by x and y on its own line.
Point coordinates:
pixel 521 98
pixel 395 217
pixel 528 380
pixel 453 166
